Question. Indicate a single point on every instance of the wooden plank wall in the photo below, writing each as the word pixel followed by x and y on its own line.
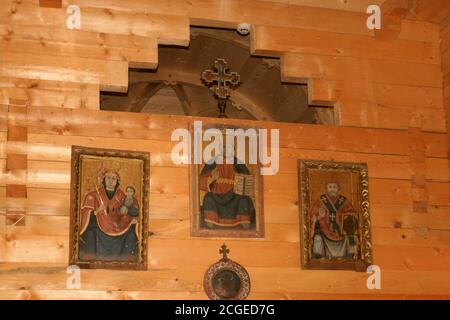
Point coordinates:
pixel 445 57
pixel 16 163
pixel 389 98
pixel 411 248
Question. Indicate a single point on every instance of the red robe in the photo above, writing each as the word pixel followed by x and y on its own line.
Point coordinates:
pixel 110 221
pixel 221 206
pixel 225 181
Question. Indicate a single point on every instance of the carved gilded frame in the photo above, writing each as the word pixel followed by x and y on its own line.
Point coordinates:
pixel 75 204
pixel 361 205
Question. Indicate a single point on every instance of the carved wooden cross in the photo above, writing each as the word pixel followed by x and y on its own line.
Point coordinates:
pixel 221 81
pixel 224 251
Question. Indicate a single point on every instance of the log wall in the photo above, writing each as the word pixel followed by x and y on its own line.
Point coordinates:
pixel 391 96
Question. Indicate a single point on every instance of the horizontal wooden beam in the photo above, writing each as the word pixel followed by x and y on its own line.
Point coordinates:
pixel 274 41
pixel 348 5
pixel 301 67
pixel 165 27
pixel 89 123
pixel 110 75
pixel 145 57
pixel 216 14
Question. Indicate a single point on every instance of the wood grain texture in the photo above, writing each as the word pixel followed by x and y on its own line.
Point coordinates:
pixel 445 57
pixel 379 87
pixel 265 39
pixel 110 75
pixel 404 242
pixel 50 3
pixel 16 162
pixel 50 121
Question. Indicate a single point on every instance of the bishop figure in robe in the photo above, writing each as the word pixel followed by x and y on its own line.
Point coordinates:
pixel 333 225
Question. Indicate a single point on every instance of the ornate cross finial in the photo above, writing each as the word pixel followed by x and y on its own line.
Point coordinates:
pixel 221 81
pixel 224 251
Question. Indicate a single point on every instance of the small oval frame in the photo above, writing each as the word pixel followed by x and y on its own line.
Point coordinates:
pixel 227 264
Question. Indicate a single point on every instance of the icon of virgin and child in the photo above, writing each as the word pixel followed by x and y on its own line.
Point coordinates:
pixel 109 218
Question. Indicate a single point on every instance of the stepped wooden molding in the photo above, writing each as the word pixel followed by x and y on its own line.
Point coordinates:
pixel 168 29
pixel 294 40
pixel 110 75
pixel 300 67
pixel 117 35
pixel 143 56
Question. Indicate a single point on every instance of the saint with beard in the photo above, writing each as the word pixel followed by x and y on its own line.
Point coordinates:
pixel 222 207
pixel 333 225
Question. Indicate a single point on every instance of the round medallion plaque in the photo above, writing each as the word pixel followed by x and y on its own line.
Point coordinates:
pixel 226 279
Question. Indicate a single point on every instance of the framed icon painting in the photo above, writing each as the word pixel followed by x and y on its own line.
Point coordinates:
pixel 334 215
pixel 109 208
pixel 226 187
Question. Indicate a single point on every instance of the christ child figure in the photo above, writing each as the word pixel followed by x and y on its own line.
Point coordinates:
pixel 128 206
